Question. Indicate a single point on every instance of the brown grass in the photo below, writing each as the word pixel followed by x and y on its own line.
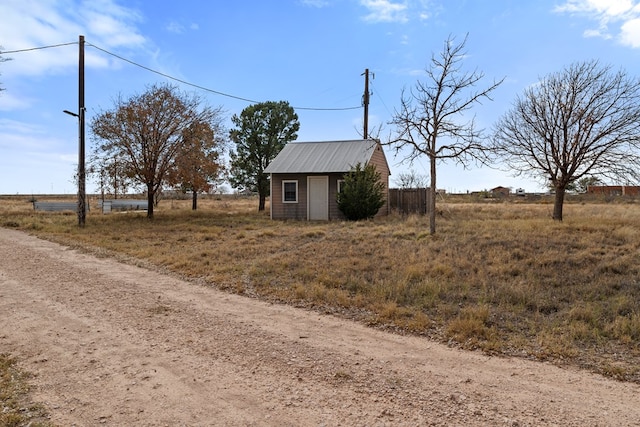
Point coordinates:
pixel 14 394
pixel 500 277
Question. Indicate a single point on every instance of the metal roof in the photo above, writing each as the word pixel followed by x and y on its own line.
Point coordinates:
pixel 322 157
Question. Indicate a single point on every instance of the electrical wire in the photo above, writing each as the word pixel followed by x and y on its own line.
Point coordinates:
pixel 175 78
pixel 208 89
pixel 171 77
pixel 35 48
pixel 375 91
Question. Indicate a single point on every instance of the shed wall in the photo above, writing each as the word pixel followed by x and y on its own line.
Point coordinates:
pixel 379 160
pixel 280 210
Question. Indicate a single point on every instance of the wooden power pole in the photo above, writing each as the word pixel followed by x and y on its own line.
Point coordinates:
pixel 365 103
pixel 82 200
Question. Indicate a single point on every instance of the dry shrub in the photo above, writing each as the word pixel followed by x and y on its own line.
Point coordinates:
pixel 555 345
pixel 471 326
pixel 626 329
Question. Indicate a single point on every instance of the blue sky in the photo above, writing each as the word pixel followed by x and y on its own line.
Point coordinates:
pixel 311 53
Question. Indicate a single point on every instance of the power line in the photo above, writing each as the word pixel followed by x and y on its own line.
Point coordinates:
pixel 36 48
pixel 382 100
pixel 170 77
pixel 208 89
pixel 175 78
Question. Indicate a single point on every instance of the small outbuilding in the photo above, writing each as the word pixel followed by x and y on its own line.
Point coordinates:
pixel 500 192
pixel 306 177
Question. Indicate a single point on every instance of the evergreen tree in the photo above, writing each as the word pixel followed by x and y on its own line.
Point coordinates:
pixel 362 193
pixel 262 130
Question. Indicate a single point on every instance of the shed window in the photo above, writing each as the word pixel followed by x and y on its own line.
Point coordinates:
pixel 340 185
pixel 290 191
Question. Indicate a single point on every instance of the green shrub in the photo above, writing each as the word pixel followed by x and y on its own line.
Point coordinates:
pixel 362 193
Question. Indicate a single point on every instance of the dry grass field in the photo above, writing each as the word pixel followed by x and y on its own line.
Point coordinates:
pixel 17 409
pixel 498 277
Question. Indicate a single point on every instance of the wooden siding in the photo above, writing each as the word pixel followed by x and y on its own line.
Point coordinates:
pixel 281 210
pixel 379 160
pixel 334 212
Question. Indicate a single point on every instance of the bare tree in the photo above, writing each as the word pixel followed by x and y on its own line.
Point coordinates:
pixel 111 173
pixel 411 179
pixel 147 131
pixel 584 120
pixel 433 120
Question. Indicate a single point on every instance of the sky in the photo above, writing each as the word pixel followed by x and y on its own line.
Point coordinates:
pixel 310 53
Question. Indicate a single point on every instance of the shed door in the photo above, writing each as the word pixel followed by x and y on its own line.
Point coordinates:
pixel 318 195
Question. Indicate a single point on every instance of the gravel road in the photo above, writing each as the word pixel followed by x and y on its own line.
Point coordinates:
pixel 112 344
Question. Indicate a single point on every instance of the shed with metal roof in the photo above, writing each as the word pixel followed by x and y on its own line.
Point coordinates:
pixel 306 176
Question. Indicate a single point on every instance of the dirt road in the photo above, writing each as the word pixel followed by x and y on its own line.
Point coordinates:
pixel 117 345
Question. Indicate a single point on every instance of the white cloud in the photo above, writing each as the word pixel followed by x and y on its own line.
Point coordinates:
pixel 400 11
pixel 113 25
pixel 174 27
pixel 385 11
pixel 605 7
pixel 15 126
pixel 36 23
pixel 315 3
pixel 619 17
pixel 412 72
pixel 177 28
pixel 16 135
pixel 599 32
pixel 630 33
pixel 10 102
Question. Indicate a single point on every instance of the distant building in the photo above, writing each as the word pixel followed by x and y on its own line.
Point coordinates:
pixel 614 190
pixel 500 192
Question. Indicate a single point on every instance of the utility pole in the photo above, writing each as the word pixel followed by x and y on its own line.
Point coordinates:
pixel 365 103
pixel 82 199
pixel 82 204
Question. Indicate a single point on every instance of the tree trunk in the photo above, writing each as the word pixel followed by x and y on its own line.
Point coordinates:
pixel 432 196
pixel 558 203
pixel 194 200
pixel 263 198
pixel 264 189
pixel 150 200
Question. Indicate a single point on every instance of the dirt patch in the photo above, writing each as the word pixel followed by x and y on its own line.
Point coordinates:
pixel 113 344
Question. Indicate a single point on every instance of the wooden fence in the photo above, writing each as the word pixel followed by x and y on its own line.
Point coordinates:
pixel 409 200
